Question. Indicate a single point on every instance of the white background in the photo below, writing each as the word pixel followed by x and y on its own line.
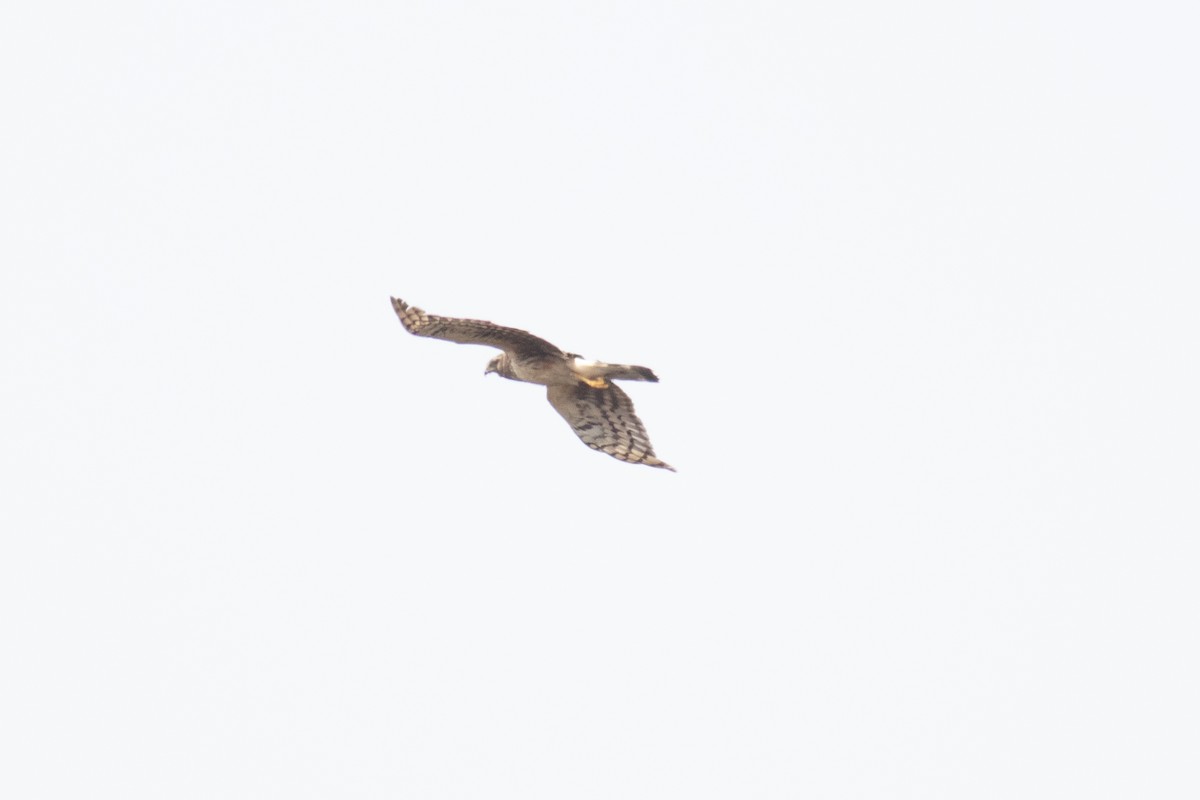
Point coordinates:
pixel 918 281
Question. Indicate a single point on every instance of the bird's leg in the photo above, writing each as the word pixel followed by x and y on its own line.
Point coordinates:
pixel 595 383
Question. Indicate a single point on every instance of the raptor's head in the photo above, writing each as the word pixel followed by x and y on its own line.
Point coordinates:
pixel 498 365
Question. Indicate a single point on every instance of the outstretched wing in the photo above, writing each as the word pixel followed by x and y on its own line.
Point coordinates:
pixel 471 331
pixel 604 420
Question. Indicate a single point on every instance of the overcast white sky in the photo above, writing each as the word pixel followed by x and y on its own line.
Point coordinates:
pixel 919 281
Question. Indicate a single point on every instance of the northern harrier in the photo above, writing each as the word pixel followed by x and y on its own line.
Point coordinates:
pixel 582 391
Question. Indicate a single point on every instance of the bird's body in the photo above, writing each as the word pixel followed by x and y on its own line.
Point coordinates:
pixel 580 390
pixel 565 369
pixel 544 369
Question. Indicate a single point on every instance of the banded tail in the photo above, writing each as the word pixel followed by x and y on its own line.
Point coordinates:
pixel 617 372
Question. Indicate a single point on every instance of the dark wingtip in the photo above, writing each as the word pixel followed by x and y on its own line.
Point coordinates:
pixel 647 374
pixel 654 461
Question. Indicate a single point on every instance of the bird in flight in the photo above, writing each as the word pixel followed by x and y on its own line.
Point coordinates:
pixel 581 391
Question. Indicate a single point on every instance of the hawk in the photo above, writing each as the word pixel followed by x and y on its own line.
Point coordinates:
pixel 581 391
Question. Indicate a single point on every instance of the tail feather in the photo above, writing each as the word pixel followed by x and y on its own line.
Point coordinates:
pixel 629 372
pixel 619 372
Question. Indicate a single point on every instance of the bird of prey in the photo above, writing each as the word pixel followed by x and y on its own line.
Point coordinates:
pixel 581 391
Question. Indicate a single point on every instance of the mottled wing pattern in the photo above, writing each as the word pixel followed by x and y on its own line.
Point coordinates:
pixel 470 331
pixel 604 420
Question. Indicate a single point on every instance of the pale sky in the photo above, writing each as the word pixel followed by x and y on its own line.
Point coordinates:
pixel 919 280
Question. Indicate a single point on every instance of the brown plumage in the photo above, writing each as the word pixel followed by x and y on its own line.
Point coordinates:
pixel 582 391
